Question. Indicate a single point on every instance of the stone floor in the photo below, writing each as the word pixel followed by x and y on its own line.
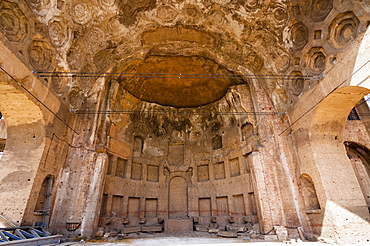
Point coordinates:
pixel 182 241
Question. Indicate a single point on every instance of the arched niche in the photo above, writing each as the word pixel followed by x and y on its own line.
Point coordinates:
pixel 43 204
pixel 178 198
pixel 138 146
pixel 247 130
pixel 309 193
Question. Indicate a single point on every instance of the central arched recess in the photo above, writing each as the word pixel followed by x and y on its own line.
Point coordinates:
pixel 178 198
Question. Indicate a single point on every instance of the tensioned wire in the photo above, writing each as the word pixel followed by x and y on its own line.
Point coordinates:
pixel 169 75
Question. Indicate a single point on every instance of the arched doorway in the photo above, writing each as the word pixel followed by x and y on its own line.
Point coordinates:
pixel 339 193
pixel 318 124
pixel 178 198
pixel 360 158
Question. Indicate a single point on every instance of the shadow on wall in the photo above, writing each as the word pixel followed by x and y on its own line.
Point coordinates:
pixel 3 134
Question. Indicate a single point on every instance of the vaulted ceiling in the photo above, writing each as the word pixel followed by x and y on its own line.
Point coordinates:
pixel 292 38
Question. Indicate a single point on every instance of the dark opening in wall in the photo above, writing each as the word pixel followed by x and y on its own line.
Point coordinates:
pixel 247 131
pixel 111 160
pixel 217 142
pixel 353 115
pixel 104 204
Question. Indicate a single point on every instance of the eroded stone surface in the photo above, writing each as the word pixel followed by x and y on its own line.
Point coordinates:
pixel 88 150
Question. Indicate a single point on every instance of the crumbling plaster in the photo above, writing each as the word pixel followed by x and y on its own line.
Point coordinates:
pixel 238 154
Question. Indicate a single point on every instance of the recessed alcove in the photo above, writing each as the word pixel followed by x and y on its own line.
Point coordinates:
pixel 201 163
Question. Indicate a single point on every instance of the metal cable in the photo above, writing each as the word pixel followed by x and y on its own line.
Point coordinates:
pixel 42 74
pixel 35 97
pixel 108 112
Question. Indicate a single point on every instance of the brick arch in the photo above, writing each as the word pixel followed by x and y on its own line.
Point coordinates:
pixel 338 189
pixel 23 151
pixel 323 152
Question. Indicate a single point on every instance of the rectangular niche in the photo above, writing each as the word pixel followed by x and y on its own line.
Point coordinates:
pixel 203 173
pixel 117 206
pixel 151 207
pixel 234 167
pixel 138 146
pixel 104 206
pixel 111 162
pixel 222 206
pixel 239 208
pixel 247 161
pixel 136 171
pixel 251 204
pixel 176 154
pixel 133 207
pixel 152 173
pixel 121 167
pixel 219 170
pixel 205 209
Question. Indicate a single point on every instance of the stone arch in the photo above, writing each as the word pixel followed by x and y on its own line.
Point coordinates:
pixel 23 151
pixel 327 125
pixel 339 192
pixel 324 156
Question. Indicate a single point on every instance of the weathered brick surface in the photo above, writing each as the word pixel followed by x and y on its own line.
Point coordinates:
pixel 173 143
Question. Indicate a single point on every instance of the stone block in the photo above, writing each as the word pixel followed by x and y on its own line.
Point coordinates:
pixel 271 238
pixel 227 234
pixel 151 228
pixel 256 227
pixel 221 227
pixel 99 234
pixel 281 233
pixel 178 226
pixel 213 230
pixel 237 228
pixel 131 229
pixel 201 228
pixel 213 226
